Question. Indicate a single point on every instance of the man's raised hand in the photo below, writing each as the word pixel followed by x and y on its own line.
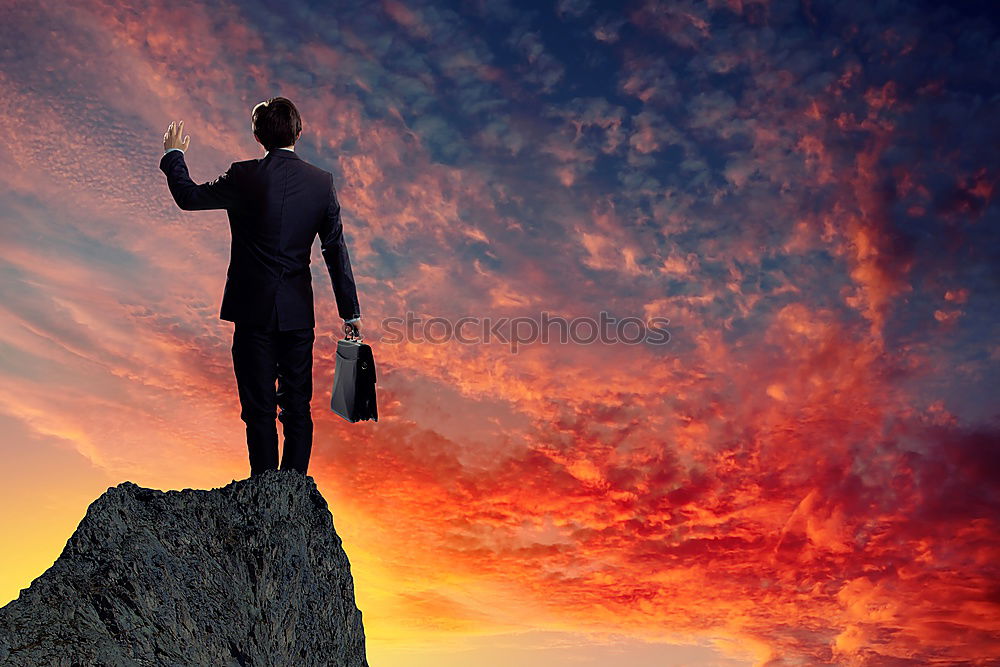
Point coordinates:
pixel 172 137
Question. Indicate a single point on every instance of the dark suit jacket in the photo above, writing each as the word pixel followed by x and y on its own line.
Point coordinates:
pixel 276 206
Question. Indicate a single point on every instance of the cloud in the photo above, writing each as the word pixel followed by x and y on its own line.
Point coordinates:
pixel 805 191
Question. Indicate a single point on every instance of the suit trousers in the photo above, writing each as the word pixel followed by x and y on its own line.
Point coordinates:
pixel 261 355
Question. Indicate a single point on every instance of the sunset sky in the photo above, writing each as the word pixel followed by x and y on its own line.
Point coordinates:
pixel 807 473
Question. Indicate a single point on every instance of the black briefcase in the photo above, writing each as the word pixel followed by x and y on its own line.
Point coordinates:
pixel 353 396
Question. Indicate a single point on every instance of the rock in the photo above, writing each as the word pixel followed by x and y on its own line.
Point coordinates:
pixel 252 573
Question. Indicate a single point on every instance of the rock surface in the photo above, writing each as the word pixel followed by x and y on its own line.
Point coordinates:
pixel 252 573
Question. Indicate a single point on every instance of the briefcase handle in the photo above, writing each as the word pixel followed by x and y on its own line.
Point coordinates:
pixel 348 335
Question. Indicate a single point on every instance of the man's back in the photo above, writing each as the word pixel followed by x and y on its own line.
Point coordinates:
pixel 276 206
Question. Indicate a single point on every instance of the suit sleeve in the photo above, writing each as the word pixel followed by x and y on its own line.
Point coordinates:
pixel 217 194
pixel 338 261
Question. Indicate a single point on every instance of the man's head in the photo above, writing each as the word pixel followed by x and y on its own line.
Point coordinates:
pixel 276 123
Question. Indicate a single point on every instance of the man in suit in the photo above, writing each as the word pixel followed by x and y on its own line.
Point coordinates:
pixel 276 206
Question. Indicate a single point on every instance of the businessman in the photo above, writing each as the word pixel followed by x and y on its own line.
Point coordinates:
pixel 276 206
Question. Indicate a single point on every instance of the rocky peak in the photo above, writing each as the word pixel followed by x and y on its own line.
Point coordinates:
pixel 252 573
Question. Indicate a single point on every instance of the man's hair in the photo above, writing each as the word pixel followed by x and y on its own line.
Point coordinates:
pixel 276 122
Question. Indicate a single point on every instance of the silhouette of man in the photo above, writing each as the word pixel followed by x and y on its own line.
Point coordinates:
pixel 276 206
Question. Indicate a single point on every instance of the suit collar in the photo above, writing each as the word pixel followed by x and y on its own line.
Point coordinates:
pixel 281 152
